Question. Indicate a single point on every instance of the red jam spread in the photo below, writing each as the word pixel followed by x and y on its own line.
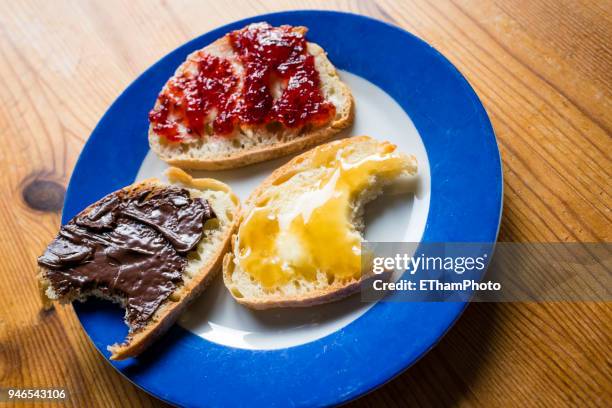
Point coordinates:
pixel 268 54
pixel 190 97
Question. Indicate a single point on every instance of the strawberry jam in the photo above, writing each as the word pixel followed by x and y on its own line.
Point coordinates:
pixel 271 57
pixel 279 53
pixel 190 97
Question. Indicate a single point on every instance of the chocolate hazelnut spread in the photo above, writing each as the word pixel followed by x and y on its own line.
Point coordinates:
pixel 131 245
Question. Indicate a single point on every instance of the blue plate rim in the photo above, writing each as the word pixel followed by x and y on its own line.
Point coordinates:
pixel 75 201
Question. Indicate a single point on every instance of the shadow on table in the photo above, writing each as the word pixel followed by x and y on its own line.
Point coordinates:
pixel 443 376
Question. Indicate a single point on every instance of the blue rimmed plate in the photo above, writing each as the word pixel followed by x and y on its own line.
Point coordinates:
pixel 221 354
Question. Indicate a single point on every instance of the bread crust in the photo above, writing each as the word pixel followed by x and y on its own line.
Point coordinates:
pixel 244 158
pixel 168 312
pixel 298 142
pixel 336 290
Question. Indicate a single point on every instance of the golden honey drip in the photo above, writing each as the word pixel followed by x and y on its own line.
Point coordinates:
pixel 283 239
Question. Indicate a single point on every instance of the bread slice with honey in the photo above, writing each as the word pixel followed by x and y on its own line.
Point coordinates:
pixel 111 253
pixel 300 234
pixel 204 142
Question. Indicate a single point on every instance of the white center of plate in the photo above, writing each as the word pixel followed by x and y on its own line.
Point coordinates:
pixel 216 317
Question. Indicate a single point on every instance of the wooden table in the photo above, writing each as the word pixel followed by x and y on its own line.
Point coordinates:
pixel 541 68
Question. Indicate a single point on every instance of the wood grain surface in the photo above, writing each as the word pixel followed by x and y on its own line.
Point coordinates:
pixel 543 70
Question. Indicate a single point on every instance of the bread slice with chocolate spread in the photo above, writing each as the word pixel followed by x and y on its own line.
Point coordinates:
pixel 152 247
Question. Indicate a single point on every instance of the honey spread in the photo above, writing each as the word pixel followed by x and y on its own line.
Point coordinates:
pixel 131 246
pixel 312 233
